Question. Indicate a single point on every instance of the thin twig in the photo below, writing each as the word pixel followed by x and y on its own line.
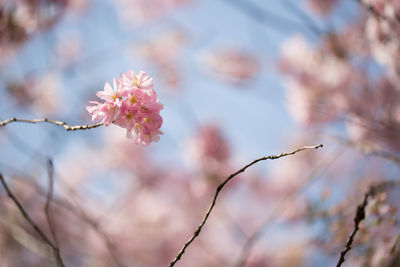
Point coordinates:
pixel 48 211
pixel 101 232
pixel 306 19
pixel 377 152
pixel 360 214
pixel 370 150
pixel 49 198
pixel 219 188
pixel 268 18
pixel 32 223
pixel 79 213
pixel 284 203
pixel 59 123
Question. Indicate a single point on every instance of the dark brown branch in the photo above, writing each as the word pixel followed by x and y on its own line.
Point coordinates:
pixel 59 123
pixel 286 201
pixel 360 214
pixel 221 186
pixel 32 223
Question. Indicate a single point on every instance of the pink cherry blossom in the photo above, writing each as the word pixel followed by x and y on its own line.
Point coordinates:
pixel 112 95
pixel 232 65
pixel 209 146
pixel 132 104
pixel 130 80
pixel 94 111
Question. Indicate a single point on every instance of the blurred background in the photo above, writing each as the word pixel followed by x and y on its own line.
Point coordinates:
pixel 238 79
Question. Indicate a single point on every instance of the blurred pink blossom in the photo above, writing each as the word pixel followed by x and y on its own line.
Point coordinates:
pixel 163 53
pixel 138 12
pixel 209 146
pixel 21 19
pixel 231 65
pixel 321 7
pixel 42 93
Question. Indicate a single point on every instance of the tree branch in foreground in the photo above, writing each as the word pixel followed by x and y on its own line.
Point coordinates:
pixel 56 251
pixel 284 202
pixel 59 123
pixel 360 214
pixel 219 188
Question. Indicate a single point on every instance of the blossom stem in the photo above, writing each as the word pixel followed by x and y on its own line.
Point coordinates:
pixel 59 123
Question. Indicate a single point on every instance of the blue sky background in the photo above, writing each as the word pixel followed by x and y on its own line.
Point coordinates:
pixel 253 116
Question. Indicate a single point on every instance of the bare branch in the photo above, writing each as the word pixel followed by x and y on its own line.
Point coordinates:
pixel 48 211
pixel 32 223
pixel 269 18
pixel 360 213
pixel 95 225
pixel 59 123
pixel 306 19
pixel 370 150
pixel 377 152
pixel 285 202
pixel 221 186
pixel 378 14
pixel 77 211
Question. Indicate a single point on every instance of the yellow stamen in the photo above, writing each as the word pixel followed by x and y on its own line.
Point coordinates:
pixel 147 119
pixel 128 116
pixel 132 99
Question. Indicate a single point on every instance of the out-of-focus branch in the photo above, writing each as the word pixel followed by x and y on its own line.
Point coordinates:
pixel 76 210
pixel 59 123
pixel 379 153
pixel 221 186
pixel 268 18
pixel 49 198
pixel 56 251
pixel 95 225
pixel 305 18
pixel 360 213
pixel 370 150
pixel 373 10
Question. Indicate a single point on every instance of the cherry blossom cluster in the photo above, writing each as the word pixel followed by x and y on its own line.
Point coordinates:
pixel 131 104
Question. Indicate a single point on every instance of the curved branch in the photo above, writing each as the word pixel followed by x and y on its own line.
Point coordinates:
pixel 219 188
pixel 28 218
pixel 59 123
pixel 284 202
